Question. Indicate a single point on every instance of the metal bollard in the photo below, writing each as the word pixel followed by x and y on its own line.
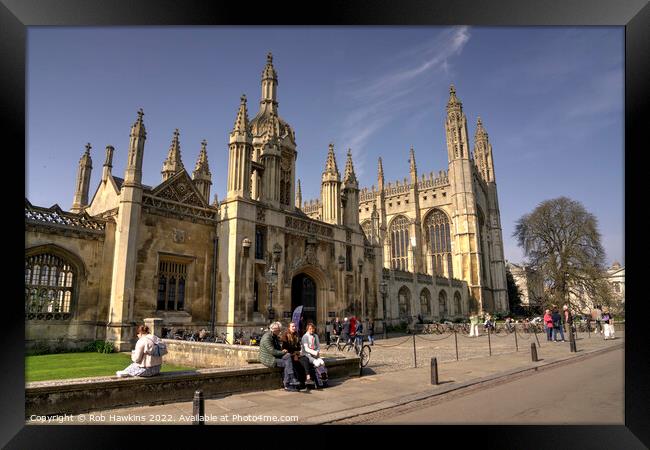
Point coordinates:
pixel 434 371
pixel 489 342
pixel 198 409
pixel 533 352
pixel 415 358
pixel 538 344
pixel 516 344
pixel 456 342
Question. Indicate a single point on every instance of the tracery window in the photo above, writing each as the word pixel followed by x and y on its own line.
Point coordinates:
pixel 399 242
pixel 458 310
pixel 425 302
pixel 172 276
pixel 404 301
pixel 442 304
pixel 439 241
pixel 49 286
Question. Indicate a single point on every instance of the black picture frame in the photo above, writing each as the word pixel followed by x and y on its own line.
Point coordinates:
pixel 634 15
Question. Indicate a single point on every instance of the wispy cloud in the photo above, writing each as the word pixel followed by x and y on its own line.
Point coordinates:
pixel 396 92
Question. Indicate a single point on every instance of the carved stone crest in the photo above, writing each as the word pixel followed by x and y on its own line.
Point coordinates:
pixel 178 236
pixel 261 214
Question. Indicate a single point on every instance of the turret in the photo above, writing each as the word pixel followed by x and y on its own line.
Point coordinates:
pixel 456 127
pixel 133 173
pixel 80 200
pixel 483 153
pixel 269 85
pixel 271 155
pixel 350 194
pixel 173 163
pixel 239 155
pixel 108 163
pixel 201 175
pixel 331 190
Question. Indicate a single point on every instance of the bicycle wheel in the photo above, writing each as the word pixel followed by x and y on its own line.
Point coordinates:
pixel 364 354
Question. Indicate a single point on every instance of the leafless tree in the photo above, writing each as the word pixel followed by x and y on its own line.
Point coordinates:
pixel 561 241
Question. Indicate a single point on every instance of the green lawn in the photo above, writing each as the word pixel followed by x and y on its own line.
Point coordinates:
pixel 77 365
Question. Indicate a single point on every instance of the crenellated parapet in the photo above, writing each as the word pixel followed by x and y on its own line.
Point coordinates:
pixel 311 206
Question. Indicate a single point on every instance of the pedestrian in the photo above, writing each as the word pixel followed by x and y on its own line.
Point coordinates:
pixel 557 325
pixel 353 329
pixel 272 355
pixel 526 325
pixel 599 318
pixel 371 332
pixel 345 331
pixel 359 332
pixel 568 318
pixel 328 331
pixel 608 324
pixel 548 324
pixel 146 363
pixel 474 320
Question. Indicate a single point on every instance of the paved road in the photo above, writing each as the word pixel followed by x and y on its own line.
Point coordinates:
pixel 587 392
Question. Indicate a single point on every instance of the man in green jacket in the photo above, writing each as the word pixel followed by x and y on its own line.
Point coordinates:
pixel 272 355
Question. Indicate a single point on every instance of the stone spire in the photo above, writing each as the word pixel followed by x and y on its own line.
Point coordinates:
pixel 241 127
pixel 133 172
pixel 202 168
pixel 331 171
pixel 173 163
pixel 80 199
pixel 269 84
pixel 201 175
pixel 108 162
pixel 331 190
pixel 380 175
pixel 453 100
pixel 350 178
pixel 413 170
pixel 240 149
pixel 483 153
pixel 298 196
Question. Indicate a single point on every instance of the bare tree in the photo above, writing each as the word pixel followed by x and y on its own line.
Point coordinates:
pixel 560 238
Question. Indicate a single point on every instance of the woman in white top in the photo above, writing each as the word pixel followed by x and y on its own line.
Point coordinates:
pixel 145 364
pixel 310 349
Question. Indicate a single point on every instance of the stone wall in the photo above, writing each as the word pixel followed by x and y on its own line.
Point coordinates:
pixel 206 354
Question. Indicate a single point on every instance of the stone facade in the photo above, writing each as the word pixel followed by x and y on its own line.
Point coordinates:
pixel 137 251
pixel 530 284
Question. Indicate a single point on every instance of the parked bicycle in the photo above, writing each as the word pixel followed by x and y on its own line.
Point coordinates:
pixel 362 351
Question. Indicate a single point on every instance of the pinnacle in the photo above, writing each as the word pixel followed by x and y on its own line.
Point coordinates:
pixel 350 176
pixel 202 161
pixel 241 122
pixel 330 164
pixel 88 147
pixel 380 169
pixel 412 160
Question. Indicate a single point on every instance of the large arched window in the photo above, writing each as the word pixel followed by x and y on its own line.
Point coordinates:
pixel 49 286
pixel 442 304
pixel 172 273
pixel 425 302
pixel 404 300
pixel 439 241
pixel 399 242
pixel 458 309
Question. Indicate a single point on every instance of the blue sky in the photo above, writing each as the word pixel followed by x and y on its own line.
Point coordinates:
pixel 550 98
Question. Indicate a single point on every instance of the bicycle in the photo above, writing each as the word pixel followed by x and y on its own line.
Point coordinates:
pixel 221 338
pixel 362 351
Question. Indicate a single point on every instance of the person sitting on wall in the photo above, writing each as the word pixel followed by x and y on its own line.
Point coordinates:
pixel 145 363
pixel 291 343
pixel 310 350
pixel 272 355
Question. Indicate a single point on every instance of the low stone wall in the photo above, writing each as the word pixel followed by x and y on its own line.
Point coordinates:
pixel 208 355
pixel 101 393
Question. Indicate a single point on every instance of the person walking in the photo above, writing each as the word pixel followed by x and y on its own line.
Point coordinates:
pixel 328 331
pixel 345 331
pixel 474 320
pixel 548 325
pixel 598 319
pixel 608 324
pixel 371 332
pixel 568 318
pixel 557 325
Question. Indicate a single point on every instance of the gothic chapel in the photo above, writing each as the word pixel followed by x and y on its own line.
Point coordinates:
pixel 428 245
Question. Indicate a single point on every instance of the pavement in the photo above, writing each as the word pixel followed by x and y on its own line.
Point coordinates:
pixel 345 399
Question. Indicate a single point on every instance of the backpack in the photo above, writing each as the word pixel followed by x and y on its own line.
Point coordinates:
pixel 159 349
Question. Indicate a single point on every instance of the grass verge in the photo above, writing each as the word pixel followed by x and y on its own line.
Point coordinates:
pixel 62 366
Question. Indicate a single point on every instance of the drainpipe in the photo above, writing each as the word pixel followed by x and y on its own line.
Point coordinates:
pixel 213 294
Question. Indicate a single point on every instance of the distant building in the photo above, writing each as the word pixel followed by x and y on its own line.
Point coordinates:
pixel 530 284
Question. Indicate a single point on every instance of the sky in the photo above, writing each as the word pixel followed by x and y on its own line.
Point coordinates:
pixel 550 98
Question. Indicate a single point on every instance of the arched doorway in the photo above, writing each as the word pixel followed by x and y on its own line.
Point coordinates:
pixel 303 292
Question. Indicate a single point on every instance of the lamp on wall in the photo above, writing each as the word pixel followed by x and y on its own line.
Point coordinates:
pixel 271 280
